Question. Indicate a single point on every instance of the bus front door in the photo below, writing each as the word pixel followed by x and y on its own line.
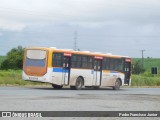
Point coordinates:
pixel 127 70
pixel 97 72
pixel 66 70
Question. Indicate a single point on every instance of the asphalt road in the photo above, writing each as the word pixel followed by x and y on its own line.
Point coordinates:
pixel 104 99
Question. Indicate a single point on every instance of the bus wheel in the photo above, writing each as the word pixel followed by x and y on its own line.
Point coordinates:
pixel 57 86
pixel 78 85
pixel 117 85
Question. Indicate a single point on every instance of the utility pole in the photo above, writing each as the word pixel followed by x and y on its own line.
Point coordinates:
pixel 75 40
pixel 143 58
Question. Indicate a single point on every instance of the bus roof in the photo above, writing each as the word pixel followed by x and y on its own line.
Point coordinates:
pixel 98 54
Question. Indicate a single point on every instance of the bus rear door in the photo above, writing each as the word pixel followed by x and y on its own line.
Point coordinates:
pixel 127 70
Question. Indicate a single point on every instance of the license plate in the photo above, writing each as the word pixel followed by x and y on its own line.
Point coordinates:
pixel 33 78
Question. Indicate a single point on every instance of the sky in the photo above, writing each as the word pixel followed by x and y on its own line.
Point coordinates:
pixel 120 27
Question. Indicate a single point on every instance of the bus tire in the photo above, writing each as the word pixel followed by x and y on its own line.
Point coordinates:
pixel 78 84
pixel 57 86
pixel 117 85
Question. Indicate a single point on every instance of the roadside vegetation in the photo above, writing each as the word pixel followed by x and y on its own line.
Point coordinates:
pixel 2 58
pixel 11 70
pixel 143 76
pixel 14 77
pixel 146 79
pixel 13 60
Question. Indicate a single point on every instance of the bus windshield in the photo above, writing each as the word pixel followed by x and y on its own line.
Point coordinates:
pixel 36 58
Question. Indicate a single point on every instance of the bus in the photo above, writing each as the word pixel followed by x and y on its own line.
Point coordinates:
pixel 77 69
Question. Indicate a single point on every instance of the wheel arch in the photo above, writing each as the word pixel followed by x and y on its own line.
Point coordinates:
pixel 74 78
pixel 119 80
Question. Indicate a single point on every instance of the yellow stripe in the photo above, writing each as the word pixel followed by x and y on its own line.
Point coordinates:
pixel 109 71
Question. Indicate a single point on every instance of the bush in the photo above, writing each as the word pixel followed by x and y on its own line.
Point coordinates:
pixel 14 59
pixel 137 69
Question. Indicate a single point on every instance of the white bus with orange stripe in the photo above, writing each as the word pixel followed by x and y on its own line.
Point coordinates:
pixel 76 69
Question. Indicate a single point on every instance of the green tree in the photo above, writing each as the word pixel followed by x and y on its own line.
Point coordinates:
pixel 14 59
pixel 137 68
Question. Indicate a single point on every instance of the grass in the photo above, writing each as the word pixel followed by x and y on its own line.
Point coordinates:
pixel 14 77
pixel 141 80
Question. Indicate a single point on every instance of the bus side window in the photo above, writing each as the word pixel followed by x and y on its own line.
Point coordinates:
pixel 90 62
pixel 57 60
pixel 84 61
pixel 76 61
pixel 87 62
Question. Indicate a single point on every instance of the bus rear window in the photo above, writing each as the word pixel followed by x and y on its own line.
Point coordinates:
pixel 36 58
pixel 36 54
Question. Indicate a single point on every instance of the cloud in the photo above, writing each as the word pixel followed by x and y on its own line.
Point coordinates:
pixel 11 25
pixel 87 12
pixel 117 26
